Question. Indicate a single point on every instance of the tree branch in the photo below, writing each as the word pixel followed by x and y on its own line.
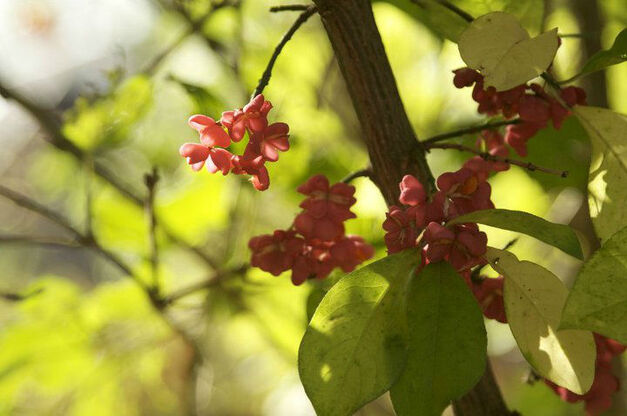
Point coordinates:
pixel 468 130
pixel 265 78
pixel 39 241
pixel 82 238
pixel 151 179
pixel 392 145
pixel 18 297
pixel 212 281
pixel 487 156
pixel 290 8
pixel 358 174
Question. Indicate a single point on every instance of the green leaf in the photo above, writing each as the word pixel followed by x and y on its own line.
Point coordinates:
pixel 608 171
pixel 354 347
pixel 446 346
pixel 498 46
pixel 433 15
pixel 448 24
pixel 534 298
pixel 557 235
pixel 598 300
pixel 617 54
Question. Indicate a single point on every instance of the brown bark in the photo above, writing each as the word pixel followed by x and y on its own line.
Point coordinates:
pixel 392 144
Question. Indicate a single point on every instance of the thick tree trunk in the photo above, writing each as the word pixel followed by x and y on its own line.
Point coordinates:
pixel 392 144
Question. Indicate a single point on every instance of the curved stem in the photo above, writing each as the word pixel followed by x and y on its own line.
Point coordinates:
pixel 265 78
pixel 487 156
pixel 469 130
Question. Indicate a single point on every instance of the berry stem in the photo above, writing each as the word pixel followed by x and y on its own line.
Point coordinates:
pixel 468 130
pixel 358 174
pixel 487 156
pixel 265 78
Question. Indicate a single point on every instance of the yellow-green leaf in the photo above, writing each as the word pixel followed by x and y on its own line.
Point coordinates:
pixel 615 55
pixel 608 170
pixel 598 300
pixel 534 298
pixel 500 48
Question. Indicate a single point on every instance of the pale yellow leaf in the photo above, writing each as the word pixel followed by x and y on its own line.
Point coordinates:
pixel 500 48
pixel 534 298
pixel 608 170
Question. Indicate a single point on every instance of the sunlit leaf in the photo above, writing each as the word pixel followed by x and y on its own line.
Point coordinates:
pixel 446 343
pixel 534 298
pixel 354 347
pixel 598 300
pixel 500 48
pixel 615 55
pixel 557 235
pixel 608 171
pixel 449 24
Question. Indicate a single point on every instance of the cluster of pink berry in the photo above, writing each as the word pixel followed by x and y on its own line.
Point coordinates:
pixel 599 398
pixel 264 142
pixel 316 243
pixel 422 223
pixel 489 293
pixel 530 102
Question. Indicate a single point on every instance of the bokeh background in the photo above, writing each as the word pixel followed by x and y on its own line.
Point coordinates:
pixel 124 76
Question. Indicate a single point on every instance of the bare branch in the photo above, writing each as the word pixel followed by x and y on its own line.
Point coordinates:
pixel 358 174
pixel 212 281
pixel 151 179
pixel 39 241
pixel 468 130
pixel 289 8
pixel 18 297
pixel 31 205
pixel 83 239
pixel 487 156
pixel 265 78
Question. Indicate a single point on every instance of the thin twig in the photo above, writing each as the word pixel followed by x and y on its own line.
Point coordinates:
pixel 42 210
pixel 265 78
pixel 468 130
pixel 89 169
pixel 289 8
pixel 194 27
pixel 487 156
pixel 82 238
pixel 212 281
pixel 467 17
pixel 39 241
pixel 358 174
pixel 55 137
pixel 151 179
pixel 17 297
